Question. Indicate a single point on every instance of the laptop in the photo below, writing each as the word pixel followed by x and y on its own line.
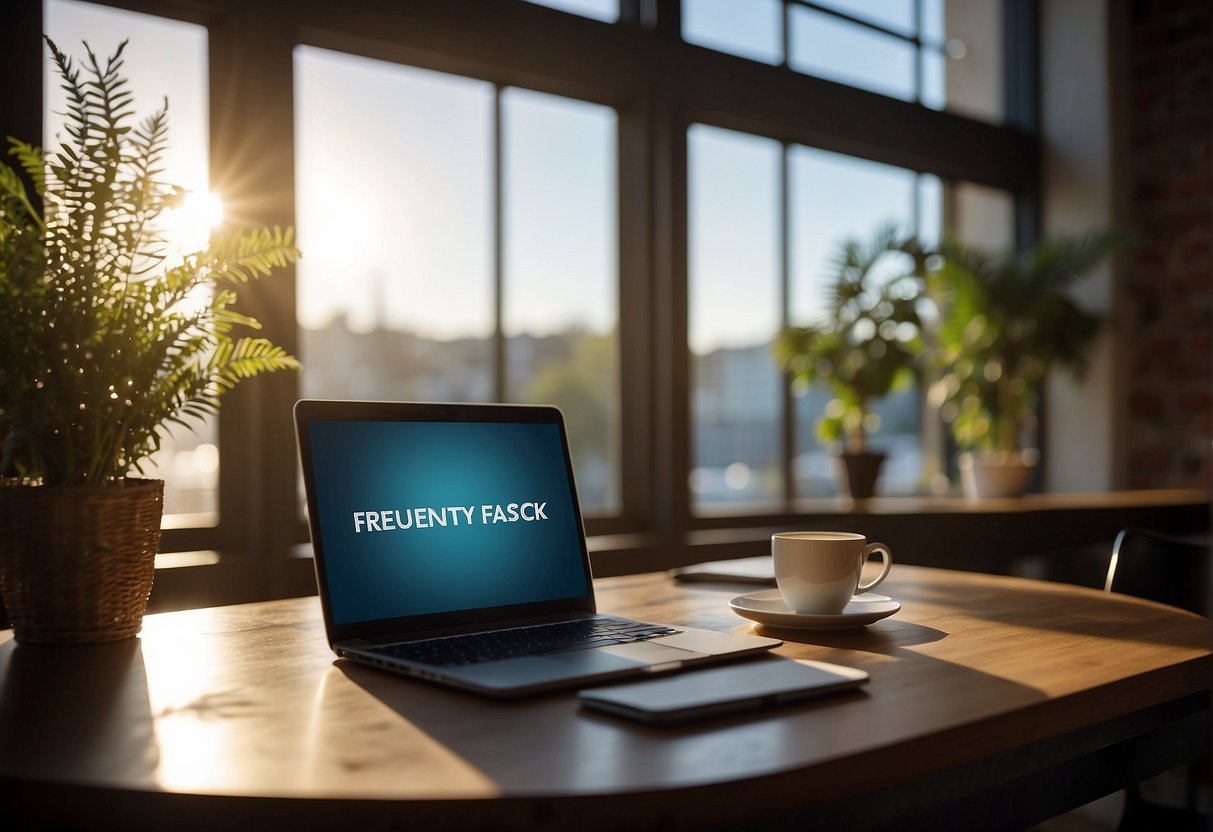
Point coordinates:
pixel 449 546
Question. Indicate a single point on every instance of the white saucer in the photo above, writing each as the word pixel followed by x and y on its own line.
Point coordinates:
pixel 767 607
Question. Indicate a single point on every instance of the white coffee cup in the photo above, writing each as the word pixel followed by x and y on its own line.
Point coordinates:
pixel 819 572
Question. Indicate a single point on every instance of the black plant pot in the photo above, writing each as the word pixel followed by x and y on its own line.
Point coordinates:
pixel 857 473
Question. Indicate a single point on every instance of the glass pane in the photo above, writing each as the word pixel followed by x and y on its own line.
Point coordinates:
pixel 932 24
pixel 607 10
pixel 733 287
pixel 851 54
pixel 188 460
pixel 897 15
pixel 930 209
pixel 834 199
pixel 934 78
pixel 394 193
pixel 560 275
pixel 747 28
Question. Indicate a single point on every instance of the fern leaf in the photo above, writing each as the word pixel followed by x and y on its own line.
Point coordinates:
pixel 31 161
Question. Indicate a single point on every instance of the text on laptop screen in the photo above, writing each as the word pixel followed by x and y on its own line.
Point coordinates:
pixel 430 517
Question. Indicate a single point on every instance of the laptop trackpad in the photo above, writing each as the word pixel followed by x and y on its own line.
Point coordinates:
pixel 539 669
pixel 647 652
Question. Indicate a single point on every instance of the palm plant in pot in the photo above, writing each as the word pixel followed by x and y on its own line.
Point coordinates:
pixel 105 343
pixel 1006 320
pixel 865 349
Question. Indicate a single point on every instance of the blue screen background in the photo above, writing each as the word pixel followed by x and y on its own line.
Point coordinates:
pixel 360 466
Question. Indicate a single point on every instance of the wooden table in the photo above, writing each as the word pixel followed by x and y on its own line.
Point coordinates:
pixel 994 702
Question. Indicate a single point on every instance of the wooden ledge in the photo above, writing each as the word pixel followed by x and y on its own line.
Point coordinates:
pixel 1065 537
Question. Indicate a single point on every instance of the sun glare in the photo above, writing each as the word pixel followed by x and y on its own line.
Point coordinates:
pixel 188 226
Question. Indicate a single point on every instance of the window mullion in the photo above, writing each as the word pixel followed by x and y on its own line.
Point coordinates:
pixel 788 405
pixel 500 392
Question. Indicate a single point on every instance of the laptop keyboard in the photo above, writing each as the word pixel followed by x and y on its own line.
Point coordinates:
pixel 561 637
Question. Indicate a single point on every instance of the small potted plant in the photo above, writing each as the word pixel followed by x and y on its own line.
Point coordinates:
pixel 865 349
pixel 105 343
pixel 1006 320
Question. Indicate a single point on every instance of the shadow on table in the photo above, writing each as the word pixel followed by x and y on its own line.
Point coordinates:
pixel 1050 606
pixel 77 704
pixel 72 715
pixel 887 637
pixel 549 739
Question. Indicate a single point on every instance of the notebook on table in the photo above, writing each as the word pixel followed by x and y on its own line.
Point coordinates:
pixel 449 546
pixel 754 570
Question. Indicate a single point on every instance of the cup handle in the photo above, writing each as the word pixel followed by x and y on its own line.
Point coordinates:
pixel 886 555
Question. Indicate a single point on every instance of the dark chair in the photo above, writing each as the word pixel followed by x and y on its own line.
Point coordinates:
pixel 1175 571
pixel 1171 570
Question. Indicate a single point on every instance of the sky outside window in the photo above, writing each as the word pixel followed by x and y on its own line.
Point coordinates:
pixel 842 51
pixel 930 210
pixel 835 198
pixel 934 21
pixel 897 15
pixel 848 52
pixel 734 238
pixel 934 93
pixel 559 214
pixel 394 190
pixel 747 28
pixel 394 193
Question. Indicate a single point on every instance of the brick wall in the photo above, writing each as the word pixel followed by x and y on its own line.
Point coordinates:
pixel 1168 321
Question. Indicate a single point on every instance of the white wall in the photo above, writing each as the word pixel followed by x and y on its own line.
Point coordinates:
pixel 1076 123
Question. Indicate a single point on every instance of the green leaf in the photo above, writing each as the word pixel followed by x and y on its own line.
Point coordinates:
pixel 857 352
pixel 105 347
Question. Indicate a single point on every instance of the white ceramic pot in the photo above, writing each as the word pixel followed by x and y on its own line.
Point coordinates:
pixel 991 474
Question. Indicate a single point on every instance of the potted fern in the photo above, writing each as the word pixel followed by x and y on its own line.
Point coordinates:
pixel 106 343
pixel 865 349
pixel 1006 320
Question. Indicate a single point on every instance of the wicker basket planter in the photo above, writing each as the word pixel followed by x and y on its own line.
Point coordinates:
pixel 76 564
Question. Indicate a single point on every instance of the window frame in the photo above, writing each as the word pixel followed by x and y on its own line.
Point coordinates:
pixel 658 85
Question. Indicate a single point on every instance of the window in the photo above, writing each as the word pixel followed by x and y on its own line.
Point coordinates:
pixel 740 248
pixel 527 212
pixel 188 461
pixel 395 290
pixel 898 48
pixel 734 284
pixel 839 49
pixel 748 28
pixel 466 253
pixel 560 284
pixel 835 199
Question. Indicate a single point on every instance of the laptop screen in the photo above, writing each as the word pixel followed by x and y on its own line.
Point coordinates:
pixel 418 518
